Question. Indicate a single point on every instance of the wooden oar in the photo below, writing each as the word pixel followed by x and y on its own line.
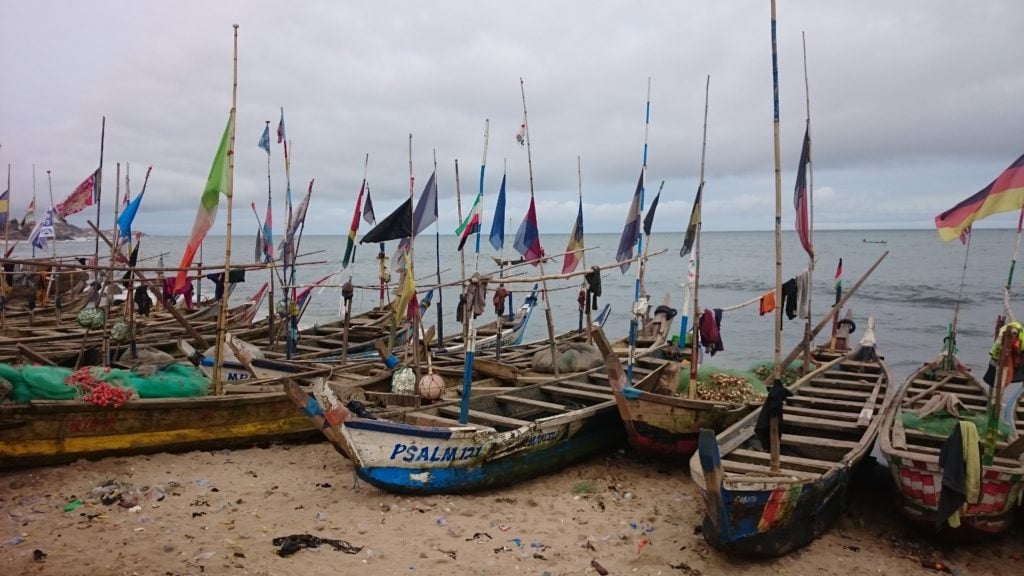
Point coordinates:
pixel 869 405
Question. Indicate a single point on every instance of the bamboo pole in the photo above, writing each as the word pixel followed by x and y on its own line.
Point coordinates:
pixel 808 340
pixel 3 274
pixel 695 340
pixel 583 256
pixel 437 259
pixel 777 372
pixel 107 285
pixel 547 301
pixel 218 385
pixel 831 313
pixel 99 186
pixel 634 320
pixel 268 251
pixel 54 280
pixel 468 315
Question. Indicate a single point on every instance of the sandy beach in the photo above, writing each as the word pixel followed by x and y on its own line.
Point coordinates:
pixel 219 512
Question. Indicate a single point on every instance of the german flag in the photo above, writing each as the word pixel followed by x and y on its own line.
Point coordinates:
pixel 1004 194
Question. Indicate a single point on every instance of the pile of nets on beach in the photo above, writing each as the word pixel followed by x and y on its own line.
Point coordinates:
pixel 102 386
pixel 730 385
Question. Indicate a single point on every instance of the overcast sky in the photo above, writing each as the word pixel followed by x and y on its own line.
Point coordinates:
pixel 914 104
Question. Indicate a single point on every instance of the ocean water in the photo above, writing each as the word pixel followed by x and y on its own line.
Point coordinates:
pixel 912 294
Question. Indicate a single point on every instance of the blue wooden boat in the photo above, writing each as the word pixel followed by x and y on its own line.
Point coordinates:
pixel 829 425
pixel 509 436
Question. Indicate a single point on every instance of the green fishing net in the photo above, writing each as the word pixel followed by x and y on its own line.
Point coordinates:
pixel 50 382
pixel 941 423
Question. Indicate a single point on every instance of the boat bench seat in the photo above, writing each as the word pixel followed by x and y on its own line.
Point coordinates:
pixel 830 393
pixel 424 419
pixel 820 423
pixel 581 394
pixel 530 402
pixel 823 402
pixel 818 413
pixel 764 470
pixel 815 442
pixel 793 460
pixel 603 389
pixel 486 418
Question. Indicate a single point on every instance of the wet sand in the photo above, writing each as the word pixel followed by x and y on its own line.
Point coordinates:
pixel 218 512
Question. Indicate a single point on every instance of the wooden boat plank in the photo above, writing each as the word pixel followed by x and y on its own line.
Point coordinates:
pixel 753 454
pixel 799 440
pixel 573 393
pixel 814 412
pixel 811 390
pixel 549 406
pixel 425 419
pixel 585 386
pixel 838 404
pixel 744 468
pixel 860 384
pixel 820 423
pixel 486 417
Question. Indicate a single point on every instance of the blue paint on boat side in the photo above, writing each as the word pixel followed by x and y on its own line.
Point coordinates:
pixel 399 428
pixel 599 433
pixel 739 528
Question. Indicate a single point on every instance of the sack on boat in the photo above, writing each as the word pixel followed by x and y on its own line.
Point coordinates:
pixel 576 357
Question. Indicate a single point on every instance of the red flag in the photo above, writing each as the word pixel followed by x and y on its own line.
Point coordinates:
pixel 84 195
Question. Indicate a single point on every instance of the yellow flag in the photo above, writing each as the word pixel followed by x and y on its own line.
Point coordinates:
pixel 407 291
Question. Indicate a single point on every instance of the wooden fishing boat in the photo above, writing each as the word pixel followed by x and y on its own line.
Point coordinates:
pixel 830 423
pixel 510 436
pixel 913 454
pixel 488 334
pixel 57 431
pixel 667 425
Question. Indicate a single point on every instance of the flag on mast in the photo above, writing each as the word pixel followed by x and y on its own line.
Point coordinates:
pixel 497 235
pixel 265 138
pixel 30 213
pixel 691 228
pixel 206 215
pixel 1004 194
pixel 42 231
pixel 649 217
pixel 803 219
pixel 528 237
pixel 84 195
pixel 575 245
pixel 631 231
pixel 407 302
pixel 394 226
pixel 471 225
pixel 268 233
pixel 839 278
pixel 426 206
pixel 368 216
pixel 521 133
pixel 125 219
pixel 5 207
pixel 353 229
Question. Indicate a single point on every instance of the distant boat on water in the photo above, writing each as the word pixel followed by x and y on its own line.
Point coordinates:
pixel 866 241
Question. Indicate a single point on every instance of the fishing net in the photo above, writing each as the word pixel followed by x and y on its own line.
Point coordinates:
pixel 731 385
pixel 106 387
pixel 941 423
